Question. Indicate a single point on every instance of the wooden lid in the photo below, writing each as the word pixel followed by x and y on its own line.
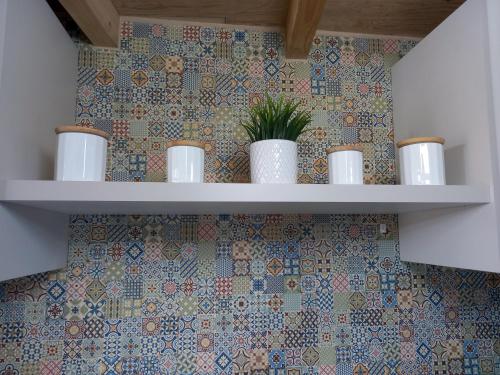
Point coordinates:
pixel 412 141
pixel 353 147
pixel 81 129
pixel 185 143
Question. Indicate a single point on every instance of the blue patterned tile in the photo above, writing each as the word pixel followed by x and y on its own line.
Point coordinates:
pixel 297 294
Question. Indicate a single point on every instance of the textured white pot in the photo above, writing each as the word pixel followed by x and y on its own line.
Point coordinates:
pixel 273 161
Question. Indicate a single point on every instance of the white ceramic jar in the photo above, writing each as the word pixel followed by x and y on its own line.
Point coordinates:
pixel 185 161
pixel 422 161
pixel 345 164
pixel 81 154
pixel 273 161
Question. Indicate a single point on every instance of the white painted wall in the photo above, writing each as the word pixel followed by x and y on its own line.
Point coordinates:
pixel 38 63
pixel 33 240
pixel 493 14
pixel 443 88
pixel 3 17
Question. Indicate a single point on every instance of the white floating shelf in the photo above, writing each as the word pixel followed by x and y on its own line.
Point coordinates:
pixel 165 198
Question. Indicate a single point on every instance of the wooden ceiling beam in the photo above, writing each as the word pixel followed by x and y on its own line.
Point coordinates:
pixel 302 22
pixel 98 19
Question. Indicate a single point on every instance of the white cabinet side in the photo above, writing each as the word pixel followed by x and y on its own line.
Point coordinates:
pixel 33 240
pixel 37 87
pixel 38 64
pixel 493 12
pixel 443 88
pixel 3 17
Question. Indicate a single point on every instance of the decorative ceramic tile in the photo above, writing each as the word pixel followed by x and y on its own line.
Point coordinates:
pixel 172 82
pixel 190 294
pixel 262 294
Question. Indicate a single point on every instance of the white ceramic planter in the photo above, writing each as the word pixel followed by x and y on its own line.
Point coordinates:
pixel 273 161
pixel 422 161
pixel 345 165
pixel 81 154
pixel 185 161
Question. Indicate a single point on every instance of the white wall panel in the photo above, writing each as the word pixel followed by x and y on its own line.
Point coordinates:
pixel 37 87
pixel 443 88
pixel 38 63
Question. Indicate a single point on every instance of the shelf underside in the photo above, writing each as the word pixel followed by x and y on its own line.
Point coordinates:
pixel 165 198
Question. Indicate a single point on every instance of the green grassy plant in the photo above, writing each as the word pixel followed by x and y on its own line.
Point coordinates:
pixel 276 119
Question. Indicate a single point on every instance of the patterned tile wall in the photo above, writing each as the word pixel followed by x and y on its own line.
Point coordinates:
pixel 261 294
pixel 264 294
pixel 191 82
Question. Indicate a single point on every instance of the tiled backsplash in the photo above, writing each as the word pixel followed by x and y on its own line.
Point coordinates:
pixel 191 82
pixel 261 294
pixel 264 294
